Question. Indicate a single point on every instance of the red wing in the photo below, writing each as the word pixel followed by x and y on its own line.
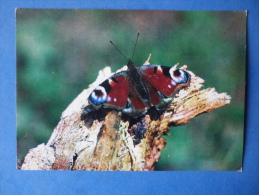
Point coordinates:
pixel 167 80
pixel 113 92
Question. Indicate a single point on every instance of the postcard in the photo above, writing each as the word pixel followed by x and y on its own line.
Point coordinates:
pixel 130 90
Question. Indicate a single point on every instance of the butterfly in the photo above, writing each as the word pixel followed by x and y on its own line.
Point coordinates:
pixel 139 88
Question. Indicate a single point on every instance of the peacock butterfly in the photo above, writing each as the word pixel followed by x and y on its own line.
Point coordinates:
pixel 137 89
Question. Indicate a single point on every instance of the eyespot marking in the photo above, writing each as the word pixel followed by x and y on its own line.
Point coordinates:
pixel 178 76
pixel 98 96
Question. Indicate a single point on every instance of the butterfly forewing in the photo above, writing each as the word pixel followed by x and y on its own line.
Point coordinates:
pixel 167 80
pixel 113 92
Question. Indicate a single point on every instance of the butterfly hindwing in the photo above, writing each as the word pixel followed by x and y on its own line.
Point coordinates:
pixel 135 105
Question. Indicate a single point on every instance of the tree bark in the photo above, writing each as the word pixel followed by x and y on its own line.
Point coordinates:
pixel 114 143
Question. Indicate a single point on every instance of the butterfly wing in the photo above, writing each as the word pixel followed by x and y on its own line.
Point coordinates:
pixel 117 93
pixel 135 105
pixel 166 80
pixel 113 92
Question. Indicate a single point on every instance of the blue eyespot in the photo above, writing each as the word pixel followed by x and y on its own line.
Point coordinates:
pixel 97 100
pixel 98 96
pixel 185 78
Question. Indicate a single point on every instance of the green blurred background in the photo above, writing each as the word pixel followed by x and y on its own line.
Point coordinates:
pixel 59 53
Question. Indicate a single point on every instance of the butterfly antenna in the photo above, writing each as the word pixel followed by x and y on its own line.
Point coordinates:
pixel 118 50
pixel 135 46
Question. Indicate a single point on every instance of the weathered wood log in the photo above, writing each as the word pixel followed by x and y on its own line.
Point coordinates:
pixel 112 143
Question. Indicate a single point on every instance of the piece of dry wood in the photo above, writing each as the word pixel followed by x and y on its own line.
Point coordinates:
pixel 110 144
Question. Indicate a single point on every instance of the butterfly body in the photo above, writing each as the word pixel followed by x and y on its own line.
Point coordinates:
pixel 136 90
